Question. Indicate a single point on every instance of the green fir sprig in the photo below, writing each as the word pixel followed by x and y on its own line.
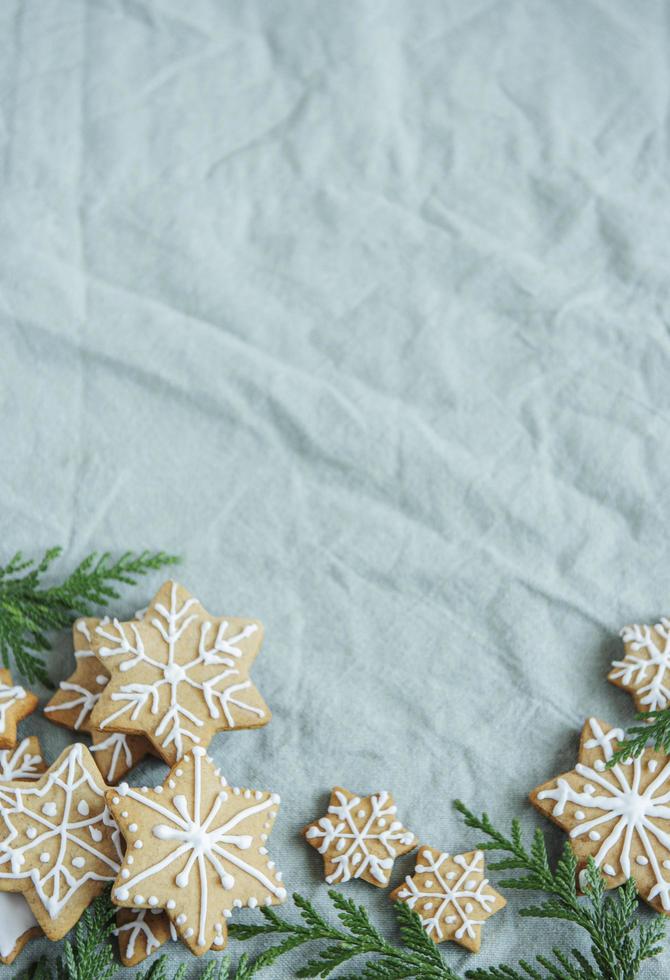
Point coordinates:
pixel 28 611
pixel 620 943
pixel 654 730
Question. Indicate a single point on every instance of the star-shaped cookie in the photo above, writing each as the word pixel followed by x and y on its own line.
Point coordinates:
pixel 58 842
pixel 620 816
pixel 179 675
pixel 451 895
pixel 140 933
pixel 196 847
pixel 645 668
pixel 15 703
pixel 359 837
pixel 23 762
pixel 73 703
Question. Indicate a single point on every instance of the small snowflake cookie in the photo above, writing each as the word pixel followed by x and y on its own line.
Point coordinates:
pixel 359 837
pixel 58 842
pixel 72 705
pixel 196 848
pixel 645 668
pixel 15 704
pixel 619 816
pixel 178 675
pixel 140 933
pixel 451 896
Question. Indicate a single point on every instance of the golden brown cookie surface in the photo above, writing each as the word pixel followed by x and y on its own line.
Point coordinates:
pixel 359 837
pixel 197 848
pixel 619 816
pixel 179 675
pixel 451 895
pixel 58 842
pixel 15 703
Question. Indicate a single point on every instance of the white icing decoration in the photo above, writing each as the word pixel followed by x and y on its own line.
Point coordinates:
pixel 623 809
pixel 221 691
pixel 200 840
pixel 59 825
pixel 451 897
pixel 9 695
pixel 643 668
pixel 139 926
pixel 16 918
pixel 19 764
pixel 352 840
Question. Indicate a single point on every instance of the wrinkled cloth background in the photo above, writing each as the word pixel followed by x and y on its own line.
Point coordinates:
pixel 362 308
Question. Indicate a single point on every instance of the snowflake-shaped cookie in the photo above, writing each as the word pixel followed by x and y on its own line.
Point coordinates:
pixel 620 816
pixel 359 837
pixel 140 933
pixel 451 895
pixel 645 668
pixel 73 703
pixel 196 847
pixel 179 675
pixel 58 842
pixel 25 762
pixel 15 704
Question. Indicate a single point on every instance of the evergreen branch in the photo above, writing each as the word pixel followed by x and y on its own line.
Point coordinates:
pixel 354 937
pixel 619 942
pixel 655 731
pixel 28 611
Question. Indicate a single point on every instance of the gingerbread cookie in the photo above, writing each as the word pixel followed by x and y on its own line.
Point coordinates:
pixel 196 847
pixel 58 842
pixel 359 837
pixel 24 762
pixel 179 675
pixel 72 705
pixel 15 703
pixel 18 925
pixel 619 816
pixel 451 896
pixel 645 668
pixel 140 933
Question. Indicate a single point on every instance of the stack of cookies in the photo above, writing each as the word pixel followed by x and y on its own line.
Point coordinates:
pixel 182 855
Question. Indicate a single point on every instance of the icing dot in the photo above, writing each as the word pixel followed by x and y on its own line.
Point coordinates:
pixel 124 814
pixel 450 919
pixel 170 904
pixel 171 783
pixel 258 795
pixel 101 679
pixel 153 900
pixel 96 834
pixel 666 864
pixel 579 814
pixel 44 857
pixel 594 835
pixel 158 789
pixel 115 800
pixel 429 882
pixel 82 808
pixel 227 914
pixel 179 772
pixel 428 906
pixel 133 828
pixel 469 907
pixel 122 894
pixel 609 870
pixel 130 859
pixel 125 873
pixel 599 765
pixel 652 765
pixel 188 933
pixel 356 859
pixel 252 903
pixel 181 919
pixel 50 809
pixel 360 814
pixel 641 859
pixel 139 899
pixel 31 833
pixel 138 844
pixel 381 822
pixel 247 794
pixel 450 875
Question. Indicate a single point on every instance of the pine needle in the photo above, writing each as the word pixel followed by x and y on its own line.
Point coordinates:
pixel 28 611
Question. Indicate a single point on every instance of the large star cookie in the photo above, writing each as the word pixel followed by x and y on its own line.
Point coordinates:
pixel 620 816
pixel 359 837
pixel 58 842
pixel 15 704
pixel 179 675
pixel 196 847
pixel 645 668
pixel 451 896
pixel 73 703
